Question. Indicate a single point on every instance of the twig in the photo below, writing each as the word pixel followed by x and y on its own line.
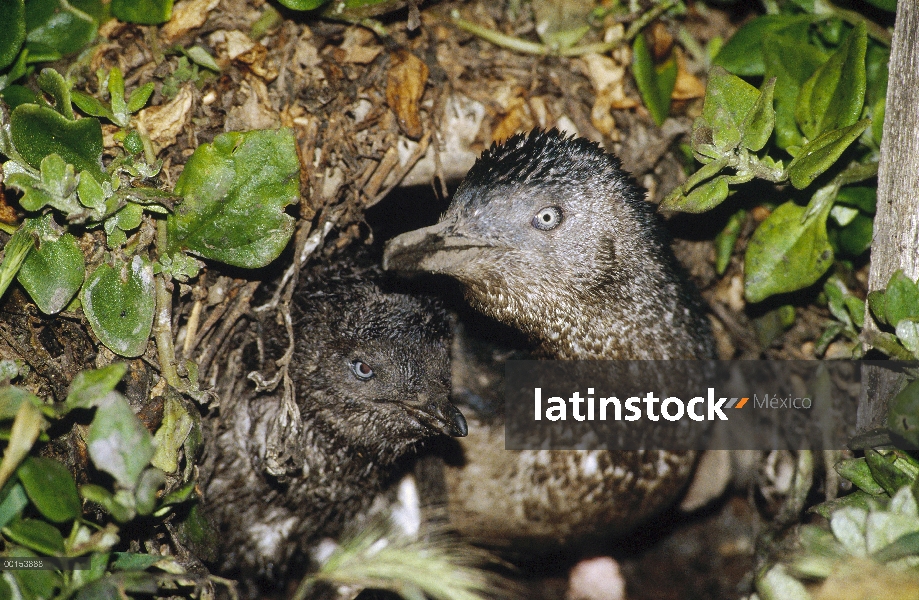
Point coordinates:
pixel 162 324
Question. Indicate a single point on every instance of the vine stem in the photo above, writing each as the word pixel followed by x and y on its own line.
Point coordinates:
pixel 162 323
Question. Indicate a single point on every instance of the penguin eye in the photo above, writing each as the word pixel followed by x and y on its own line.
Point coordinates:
pixel 547 218
pixel 361 370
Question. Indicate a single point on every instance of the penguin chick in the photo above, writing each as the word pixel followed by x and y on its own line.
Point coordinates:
pixel 371 378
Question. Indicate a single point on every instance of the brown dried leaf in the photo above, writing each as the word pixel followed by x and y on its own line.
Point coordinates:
pixel 404 87
pixel 359 47
pixel 164 123
pixel 516 120
pixel 7 212
pixel 688 86
pixel 187 15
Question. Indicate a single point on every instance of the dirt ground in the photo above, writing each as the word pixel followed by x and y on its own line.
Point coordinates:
pixel 386 127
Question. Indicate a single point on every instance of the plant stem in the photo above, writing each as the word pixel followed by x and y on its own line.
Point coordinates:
pixel 642 21
pixel 162 324
pixel 853 18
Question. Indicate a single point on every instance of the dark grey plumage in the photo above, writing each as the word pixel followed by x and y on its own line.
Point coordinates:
pixel 371 378
pixel 549 235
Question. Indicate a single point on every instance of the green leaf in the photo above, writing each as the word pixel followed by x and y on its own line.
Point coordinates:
pixel 129 217
pixel 857 499
pixel 117 441
pixel 743 54
pixel 151 480
pixel 13 33
pixel 902 299
pixel 14 95
pixel 908 334
pixel 760 121
pixel 864 198
pixel 654 83
pixel 26 427
pixel 90 386
pixel 820 154
pixel 728 101
pixel 131 561
pixel 106 500
pixel 303 4
pixel 856 237
pixel 53 272
pixel 903 415
pixel 200 56
pixel 91 194
pixel 885 471
pixel 37 132
pixel 703 198
pixel 792 61
pixel 777 584
pixel 786 253
pixel 727 239
pixel 15 252
pixel 170 437
pixel 51 488
pixel 52 83
pixel 904 546
pixel 856 470
pixel 146 12
pixel 55 186
pixel 90 105
pixel 12 504
pixel 119 305
pixel 37 535
pixel 56 27
pixel 139 97
pixel 833 97
pixel 235 191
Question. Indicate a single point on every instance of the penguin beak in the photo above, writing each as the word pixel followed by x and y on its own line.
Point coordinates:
pixel 441 415
pixel 440 248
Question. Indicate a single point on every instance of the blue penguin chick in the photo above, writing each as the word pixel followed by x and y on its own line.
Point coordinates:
pixel 371 378
pixel 549 235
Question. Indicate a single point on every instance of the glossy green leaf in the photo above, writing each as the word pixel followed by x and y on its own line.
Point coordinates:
pixel 727 239
pixel 117 441
pixel 56 27
pixel 144 12
pixel 53 272
pixel 654 83
pixel 743 54
pixel 119 304
pixel 235 192
pixel 37 535
pixel 792 61
pixel 901 299
pixel 37 132
pixel 857 499
pixel 907 331
pixel 821 153
pixel 786 253
pixel 13 32
pixel 834 95
pixel 51 488
pixel 728 101
pixel 12 503
pixel 760 121
pixel 132 561
pixel 90 386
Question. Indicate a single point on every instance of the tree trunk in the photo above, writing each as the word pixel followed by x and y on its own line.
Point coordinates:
pixel 896 224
